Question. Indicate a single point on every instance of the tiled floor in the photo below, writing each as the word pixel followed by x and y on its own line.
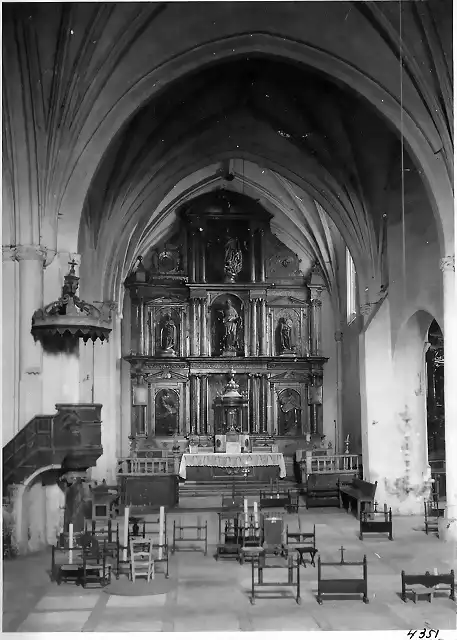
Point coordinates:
pixel 213 596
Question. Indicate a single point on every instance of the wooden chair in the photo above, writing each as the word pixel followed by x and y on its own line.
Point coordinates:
pixel 302 542
pixel 432 513
pixel 229 544
pixel 141 558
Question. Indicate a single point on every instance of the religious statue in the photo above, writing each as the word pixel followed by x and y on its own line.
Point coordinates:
pixel 285 331
pixel 233 259
pixel 231 322
pixel 289 402
pixel 168 336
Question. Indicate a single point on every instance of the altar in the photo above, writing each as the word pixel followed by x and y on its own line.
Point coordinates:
pixel 257 466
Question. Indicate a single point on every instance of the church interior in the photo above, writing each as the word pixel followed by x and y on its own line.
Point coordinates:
pixel 229 316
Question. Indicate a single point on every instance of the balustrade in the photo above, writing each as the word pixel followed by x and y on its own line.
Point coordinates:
pixel 148 466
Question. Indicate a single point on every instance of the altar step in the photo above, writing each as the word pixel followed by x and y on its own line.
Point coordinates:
pixel 212 488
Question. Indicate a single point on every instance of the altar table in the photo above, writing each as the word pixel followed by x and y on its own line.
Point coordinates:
pixel 232 462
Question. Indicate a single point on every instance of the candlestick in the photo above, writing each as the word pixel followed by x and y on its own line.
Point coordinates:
pixel 256 515
pixel 70 543
pixel 161 530
pixel 126 533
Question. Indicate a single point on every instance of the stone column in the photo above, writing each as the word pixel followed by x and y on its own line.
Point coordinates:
pixel 192 328
pixel 263 403
pixel 203 404
pixel 255 403
pixel 10 345
pixel 447 266
pixel 193 403
pixel 31 263
pixel 251 255
pixel 203 327
pixel 262 255
pixel 253 327
pixel 263 327
pixel 249 393
pixel 315 320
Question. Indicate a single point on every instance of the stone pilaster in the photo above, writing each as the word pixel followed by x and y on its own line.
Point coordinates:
pixel 255 404
pixel 202 261
pixel 263 327
pixel 316 322
pixel 447 265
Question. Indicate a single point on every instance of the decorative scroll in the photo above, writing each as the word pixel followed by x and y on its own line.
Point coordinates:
pixel 239 461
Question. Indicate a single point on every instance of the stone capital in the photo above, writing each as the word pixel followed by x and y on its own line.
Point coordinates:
pixel 365 309
pixel 447 263
pixel 316 292
pixel 31 252
pixel 8 253
pixel 338 336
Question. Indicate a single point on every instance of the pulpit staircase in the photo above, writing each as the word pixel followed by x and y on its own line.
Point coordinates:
pixel 72 437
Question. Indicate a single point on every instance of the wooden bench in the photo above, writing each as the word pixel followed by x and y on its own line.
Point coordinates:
pixel 432 513
pixel 274 500
pixel 322 491
pixel 370 523
pixel 359 492
pixel 262 566
pixel 427 583
pixel 340 586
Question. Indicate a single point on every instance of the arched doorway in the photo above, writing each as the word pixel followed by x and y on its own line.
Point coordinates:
pixel 434 362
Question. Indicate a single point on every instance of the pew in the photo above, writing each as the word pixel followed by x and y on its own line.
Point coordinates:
pixel 322 491
pixel 339 586
pixel 427 583
pixel 359 492
pixel 371 523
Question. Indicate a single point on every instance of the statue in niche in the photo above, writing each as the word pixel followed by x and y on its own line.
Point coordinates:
pixel 233 259
pixel 168 336
pixel 231 322
pixel 285 336
pixel 290 412
pixel 166 413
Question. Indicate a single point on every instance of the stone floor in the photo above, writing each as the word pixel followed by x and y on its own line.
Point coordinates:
pixel 214 596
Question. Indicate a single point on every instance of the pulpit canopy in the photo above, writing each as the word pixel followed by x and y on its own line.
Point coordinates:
pixel 71 316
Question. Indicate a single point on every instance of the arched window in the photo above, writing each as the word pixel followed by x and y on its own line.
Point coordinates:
pixel 351 288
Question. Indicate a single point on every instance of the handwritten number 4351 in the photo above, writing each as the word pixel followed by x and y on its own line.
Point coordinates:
pixel 424 634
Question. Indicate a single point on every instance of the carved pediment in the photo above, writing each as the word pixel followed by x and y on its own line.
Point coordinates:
pixel 164 374
pixel 287 301
pixel 299 376
pixel 167 300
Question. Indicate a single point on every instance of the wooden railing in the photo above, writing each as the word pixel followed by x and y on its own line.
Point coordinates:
pixel 339 463
pixel 148 466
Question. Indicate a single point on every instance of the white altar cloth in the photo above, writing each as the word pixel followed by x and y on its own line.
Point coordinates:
pixel 238 460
